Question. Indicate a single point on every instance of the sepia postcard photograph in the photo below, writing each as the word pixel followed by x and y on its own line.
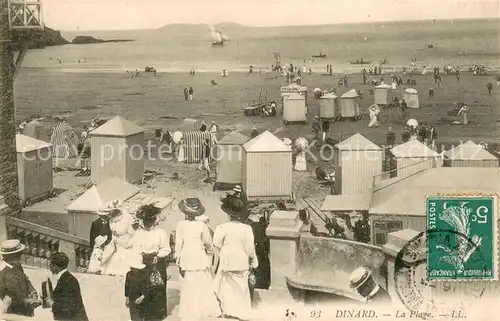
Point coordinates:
pixel 281 160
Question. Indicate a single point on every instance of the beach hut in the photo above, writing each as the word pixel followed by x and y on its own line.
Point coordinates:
pixel 191 125
pixel 328 107
pixel 64 141
pixel 294 88
pixel 398 204
pixel 349 105
pixel 83 211
pixel 294 108
pixel 229 156
pixel 413 157
pixel 469 154
pixel 267 168
pixel 37 130
pixel 411 97
pixel 117 150
pixel 194 145
pixel 382 94
pixel 357 161
pixel 34 168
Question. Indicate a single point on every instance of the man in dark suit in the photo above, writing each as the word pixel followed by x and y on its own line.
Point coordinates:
pixel 67 303
pixel 100 227
pixel 15 287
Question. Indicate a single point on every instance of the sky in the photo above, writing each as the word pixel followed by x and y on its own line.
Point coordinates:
pixel 150 14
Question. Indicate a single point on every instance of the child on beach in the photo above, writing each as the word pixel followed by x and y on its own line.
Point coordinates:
pixel 136 284
pixel 96 257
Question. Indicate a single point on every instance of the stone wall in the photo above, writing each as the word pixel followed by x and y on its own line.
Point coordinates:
pixel 8 155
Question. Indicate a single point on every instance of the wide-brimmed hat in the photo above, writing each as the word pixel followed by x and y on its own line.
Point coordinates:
pixel 360 276
pixel 191 207
pixel 100 240
pixel 237 189
pixel 11 247
pixel 112 207
pixel 234 207
pixel 135 262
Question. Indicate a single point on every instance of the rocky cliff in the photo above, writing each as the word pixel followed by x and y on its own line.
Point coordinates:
pixel 49 37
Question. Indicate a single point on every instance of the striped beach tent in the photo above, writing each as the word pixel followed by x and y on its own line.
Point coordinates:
pixel 64 141
pixel 193 145
pixel 189 125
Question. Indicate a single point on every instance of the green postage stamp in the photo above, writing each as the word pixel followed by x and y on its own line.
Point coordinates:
pixel 462 242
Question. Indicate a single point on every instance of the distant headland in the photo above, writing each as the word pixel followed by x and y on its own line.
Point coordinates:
pixel 80 40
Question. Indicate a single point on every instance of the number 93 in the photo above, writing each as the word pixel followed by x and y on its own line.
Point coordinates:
pixel 315 314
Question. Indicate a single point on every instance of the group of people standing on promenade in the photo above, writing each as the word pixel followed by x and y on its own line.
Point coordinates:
pixel 216 268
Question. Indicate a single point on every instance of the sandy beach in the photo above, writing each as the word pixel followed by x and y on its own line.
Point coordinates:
pixel 158 101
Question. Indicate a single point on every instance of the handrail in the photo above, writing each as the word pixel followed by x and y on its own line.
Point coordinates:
pixel 433 162
pixel 45 230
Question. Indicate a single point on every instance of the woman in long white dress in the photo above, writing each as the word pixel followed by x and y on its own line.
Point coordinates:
pixel 300 161
pixel 154 244
pixel 193 241
pixel 116 253
pixel 235 241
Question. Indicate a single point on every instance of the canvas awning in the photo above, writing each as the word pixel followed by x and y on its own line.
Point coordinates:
pixel 347 203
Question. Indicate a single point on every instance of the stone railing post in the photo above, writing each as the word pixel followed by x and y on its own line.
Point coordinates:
pixel 4 209
pixel 283 232
pixel 395 242
pixel 69 249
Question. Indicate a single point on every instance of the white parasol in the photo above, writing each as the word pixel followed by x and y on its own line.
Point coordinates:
pixel 317 90
pixel 412 122
pixel 177 137
pixel 301 143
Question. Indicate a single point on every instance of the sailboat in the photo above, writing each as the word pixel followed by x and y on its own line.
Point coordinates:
pixel 218 37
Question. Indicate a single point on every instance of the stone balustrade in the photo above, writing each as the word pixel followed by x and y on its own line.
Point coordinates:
pixel 41 241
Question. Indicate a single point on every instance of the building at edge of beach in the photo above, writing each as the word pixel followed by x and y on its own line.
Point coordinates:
pixel 117 150
pixel 267 169
pixel 469 154
pixel 34 167
pixel 413 157
pixel 229 156
pixel 358 160
pixel 399 204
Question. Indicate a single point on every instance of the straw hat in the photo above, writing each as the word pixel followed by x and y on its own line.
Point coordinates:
pixel 136 262
pixel 11 247
pixel 100 240
pixel 237 189
pixel 112 206
pixel 359 277
pixel 191 207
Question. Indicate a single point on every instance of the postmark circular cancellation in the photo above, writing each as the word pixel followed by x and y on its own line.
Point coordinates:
pixel 429 298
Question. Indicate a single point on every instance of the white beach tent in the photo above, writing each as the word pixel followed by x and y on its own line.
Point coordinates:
pixel 381 94
pixel 411 97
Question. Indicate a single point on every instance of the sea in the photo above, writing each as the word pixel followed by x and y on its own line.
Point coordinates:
pixel 180 48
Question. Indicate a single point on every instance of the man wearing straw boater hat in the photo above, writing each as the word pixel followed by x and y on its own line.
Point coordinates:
pixel 238 193
pixel 362 282
pixel 15 287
